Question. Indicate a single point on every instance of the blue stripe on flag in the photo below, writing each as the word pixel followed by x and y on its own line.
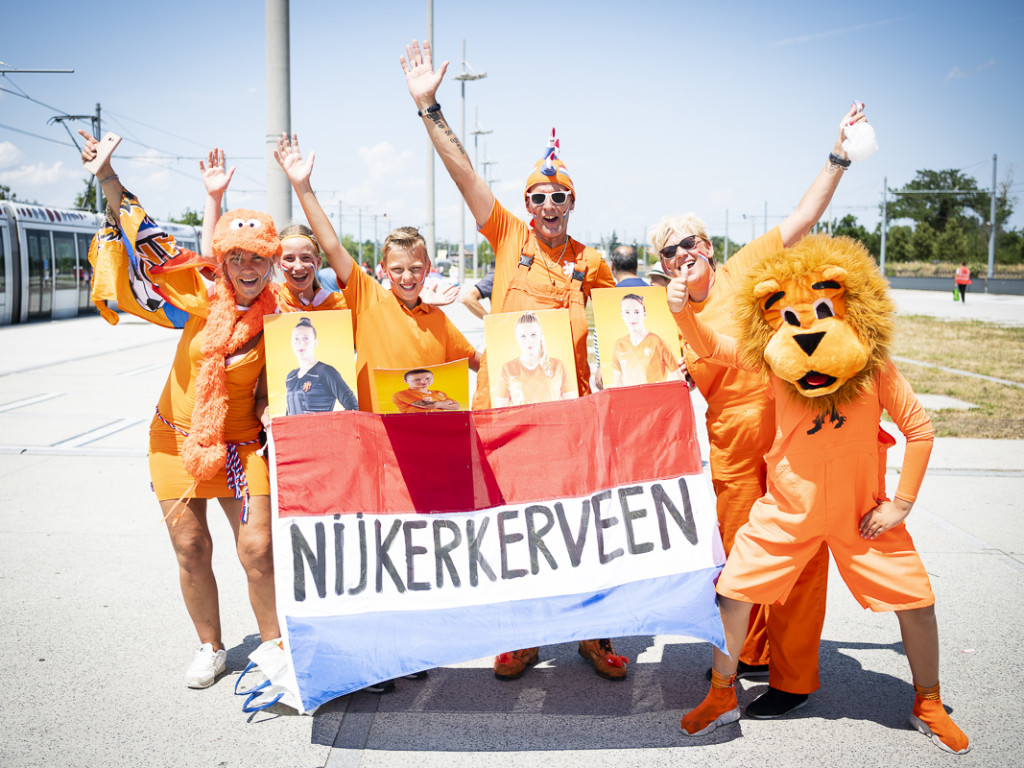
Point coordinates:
pixel 335 655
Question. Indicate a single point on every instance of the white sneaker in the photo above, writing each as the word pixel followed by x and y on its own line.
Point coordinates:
pixel 205 667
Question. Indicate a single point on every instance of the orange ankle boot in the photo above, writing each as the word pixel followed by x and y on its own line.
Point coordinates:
pixel 930 718
pixel 718 708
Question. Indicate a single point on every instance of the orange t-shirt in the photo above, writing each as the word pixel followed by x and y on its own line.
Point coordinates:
pixel 649 362
pixel 543 384
pixel 323 300
pixel 390 335
pixel 405 399
pixel 508 237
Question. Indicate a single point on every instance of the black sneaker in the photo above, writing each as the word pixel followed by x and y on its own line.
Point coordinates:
pixel 417 675
pixel 775 703
pixel 746 671
pixel 385 687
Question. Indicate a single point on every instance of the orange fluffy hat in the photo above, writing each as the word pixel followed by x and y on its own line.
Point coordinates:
pixel 549 169
pixel 245 230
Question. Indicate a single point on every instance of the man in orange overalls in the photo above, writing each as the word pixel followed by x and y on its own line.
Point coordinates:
pixel 536 267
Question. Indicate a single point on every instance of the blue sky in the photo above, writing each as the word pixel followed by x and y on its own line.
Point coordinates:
pixel 661 107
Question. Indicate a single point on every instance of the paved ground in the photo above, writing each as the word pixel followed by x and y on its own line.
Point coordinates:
pixel 97 639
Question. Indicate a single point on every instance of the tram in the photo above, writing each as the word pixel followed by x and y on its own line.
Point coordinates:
pixel 44 260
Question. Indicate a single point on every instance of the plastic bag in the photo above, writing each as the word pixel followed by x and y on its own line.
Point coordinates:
pixel 273 681
pixel 956 293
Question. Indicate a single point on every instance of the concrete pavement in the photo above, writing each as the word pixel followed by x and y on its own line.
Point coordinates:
pixel 97 638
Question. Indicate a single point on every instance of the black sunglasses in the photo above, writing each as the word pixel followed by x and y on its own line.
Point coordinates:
pixel 558 198
pixel 687 244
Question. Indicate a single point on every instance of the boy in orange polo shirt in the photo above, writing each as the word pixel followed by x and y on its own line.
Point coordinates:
pixel 393 328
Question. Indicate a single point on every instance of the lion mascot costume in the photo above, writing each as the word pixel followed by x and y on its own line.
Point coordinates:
pixel 816 320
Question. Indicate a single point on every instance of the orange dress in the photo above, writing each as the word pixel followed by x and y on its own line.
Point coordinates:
pixel 186 289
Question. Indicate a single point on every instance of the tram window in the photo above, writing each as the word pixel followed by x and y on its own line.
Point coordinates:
pixel 3 262
pixel 40 283
pixel 84 272
pixel 65 264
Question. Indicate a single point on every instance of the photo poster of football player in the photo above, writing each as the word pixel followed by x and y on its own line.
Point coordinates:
pixel 530 357
pixel 422 389
pixel 311 364
pixel 637 339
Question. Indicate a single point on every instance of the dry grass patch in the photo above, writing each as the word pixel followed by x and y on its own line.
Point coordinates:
pixel 983 348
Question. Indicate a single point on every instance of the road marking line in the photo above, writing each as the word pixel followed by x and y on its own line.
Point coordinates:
pixel 30 401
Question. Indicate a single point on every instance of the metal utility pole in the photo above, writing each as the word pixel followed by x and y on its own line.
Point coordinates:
pixel 430 149
pixel 992 227
pixel 726 257
pixel 462 77
pixel 478 131
pixel 885 223
pixel 279 99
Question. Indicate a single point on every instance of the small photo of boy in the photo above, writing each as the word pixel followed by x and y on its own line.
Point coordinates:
pixel 432 389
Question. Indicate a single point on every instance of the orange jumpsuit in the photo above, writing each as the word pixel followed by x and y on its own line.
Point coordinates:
pixel 529 276
pixel 186 289
pixel 821 480
pixel 741 428
pixel 390 335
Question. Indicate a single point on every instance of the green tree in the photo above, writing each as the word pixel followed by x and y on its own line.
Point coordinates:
pixel 899 244
pixel 931 199
pixel 718 242
pixel 6 194
pixel 484 255
pixel 86 199
pixel 190 217
pixel 923 242
pixel 952 244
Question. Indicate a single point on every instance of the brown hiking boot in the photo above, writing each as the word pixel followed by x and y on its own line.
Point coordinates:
pixel 606 663
pixel 512 664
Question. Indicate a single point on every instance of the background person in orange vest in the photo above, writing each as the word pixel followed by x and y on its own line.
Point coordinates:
pixel 962 279
pixel 536 267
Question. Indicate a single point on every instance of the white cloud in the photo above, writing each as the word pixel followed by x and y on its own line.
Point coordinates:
pixel 10 155
pixel 955 74
pixel 382 161
pixel 38 176
pixel 833 33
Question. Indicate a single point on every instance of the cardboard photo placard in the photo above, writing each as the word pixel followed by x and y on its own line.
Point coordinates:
pixel 311 365
pixel 426 389
pixel 637 339
pixel 530 357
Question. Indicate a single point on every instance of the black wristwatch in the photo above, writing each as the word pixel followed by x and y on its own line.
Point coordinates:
pixel 437 108
pixel 837 160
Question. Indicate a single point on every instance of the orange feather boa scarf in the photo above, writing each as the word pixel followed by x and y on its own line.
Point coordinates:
pixel 204 450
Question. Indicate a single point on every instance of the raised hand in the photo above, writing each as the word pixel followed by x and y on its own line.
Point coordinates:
pixel 423 82
pixel 215 179
pixel 438 295
pixel 290 159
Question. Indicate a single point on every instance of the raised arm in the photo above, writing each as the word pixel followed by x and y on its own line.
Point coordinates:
pixel 423 82
pixel 105 175
pixel 817 198
pixel 298 171
pixel 216 181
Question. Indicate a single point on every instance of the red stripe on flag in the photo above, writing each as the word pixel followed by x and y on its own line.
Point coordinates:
pixel 347 462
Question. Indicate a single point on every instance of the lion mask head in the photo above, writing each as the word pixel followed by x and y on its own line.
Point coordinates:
pixel 819 316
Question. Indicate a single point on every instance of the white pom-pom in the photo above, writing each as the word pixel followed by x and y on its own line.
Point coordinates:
pixel 859 141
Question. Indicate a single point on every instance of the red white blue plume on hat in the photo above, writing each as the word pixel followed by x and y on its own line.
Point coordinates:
pixel 550 155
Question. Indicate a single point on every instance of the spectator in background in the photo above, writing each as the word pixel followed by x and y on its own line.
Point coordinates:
pixel 624 262
pixel 477 293
pixel 657 276
pixel 962 279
